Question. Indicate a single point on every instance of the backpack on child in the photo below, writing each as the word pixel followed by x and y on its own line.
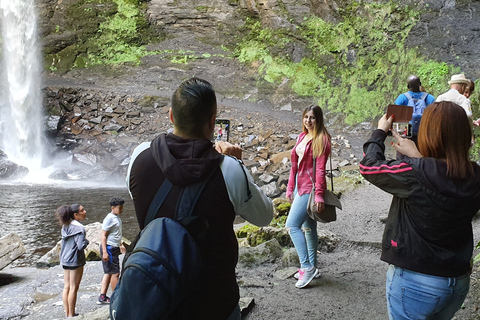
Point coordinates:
pixel 165 261
pixel 418 106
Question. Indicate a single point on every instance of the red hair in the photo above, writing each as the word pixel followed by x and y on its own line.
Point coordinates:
pixel 445 133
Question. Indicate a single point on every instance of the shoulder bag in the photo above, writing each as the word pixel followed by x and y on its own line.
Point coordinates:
pixel 329 213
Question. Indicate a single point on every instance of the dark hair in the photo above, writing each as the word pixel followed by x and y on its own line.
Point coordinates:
pixel 414 83
pixel 64 214
pixel 470 86
pixel 320 132
pixel 114 202
pixel 445 133
pixel 193 105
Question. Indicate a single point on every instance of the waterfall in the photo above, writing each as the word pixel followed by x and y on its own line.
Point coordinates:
pixel 21 118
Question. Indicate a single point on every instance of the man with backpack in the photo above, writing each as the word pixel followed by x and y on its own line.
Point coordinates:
pixel 187 157
pixel 417 99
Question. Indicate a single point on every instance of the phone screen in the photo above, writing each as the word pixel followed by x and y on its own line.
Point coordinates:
pixel 222 130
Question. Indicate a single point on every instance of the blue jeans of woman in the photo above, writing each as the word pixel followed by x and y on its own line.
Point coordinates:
pixel 413 295
pixel 305 244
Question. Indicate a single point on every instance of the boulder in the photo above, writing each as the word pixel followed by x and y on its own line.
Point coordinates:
pixel 267 233
pixel 11 247
pixel 269 251
pixel 327 240
pixel 11 170
pixel 92 252
pixel 290 258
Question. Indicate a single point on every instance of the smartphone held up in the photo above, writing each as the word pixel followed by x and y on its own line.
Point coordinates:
pixel 402 117
pixel 222 130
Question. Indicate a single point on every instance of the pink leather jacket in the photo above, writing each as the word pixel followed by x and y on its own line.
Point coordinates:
pixel 302 173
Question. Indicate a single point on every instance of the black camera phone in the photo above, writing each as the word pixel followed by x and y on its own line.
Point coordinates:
pixel 222 130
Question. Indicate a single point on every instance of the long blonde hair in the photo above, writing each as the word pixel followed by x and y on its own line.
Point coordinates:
pixel 320 133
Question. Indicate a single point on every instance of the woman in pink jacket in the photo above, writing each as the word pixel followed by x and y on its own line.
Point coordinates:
pixel 314 141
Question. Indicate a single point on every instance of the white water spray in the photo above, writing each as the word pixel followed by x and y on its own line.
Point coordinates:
pixel 21 107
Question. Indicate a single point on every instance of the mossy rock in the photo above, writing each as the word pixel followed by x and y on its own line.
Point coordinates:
pixel 244 231
pixel 268 233
pixel 283 209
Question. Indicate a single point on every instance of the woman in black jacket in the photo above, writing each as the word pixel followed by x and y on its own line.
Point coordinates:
pixel 428 239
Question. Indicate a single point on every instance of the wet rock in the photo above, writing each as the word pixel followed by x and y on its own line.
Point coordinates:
pixel 87 159
pixel 11 170
pixel 58 175
pixel 11 247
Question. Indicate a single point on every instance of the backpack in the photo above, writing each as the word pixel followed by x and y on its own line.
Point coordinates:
pixel 165 261
pixel 418 106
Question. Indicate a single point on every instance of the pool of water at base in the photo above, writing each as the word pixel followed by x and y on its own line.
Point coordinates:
pixel 29 211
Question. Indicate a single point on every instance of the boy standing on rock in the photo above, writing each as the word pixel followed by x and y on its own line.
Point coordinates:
pixel 110 248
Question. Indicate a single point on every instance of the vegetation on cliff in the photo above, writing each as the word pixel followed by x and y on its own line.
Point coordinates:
pixel 108 32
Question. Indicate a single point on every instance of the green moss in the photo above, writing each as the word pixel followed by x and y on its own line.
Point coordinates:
pixel 247 229
pixel 279 222
pixel 283 208
pixel 107 32
pixel 355 67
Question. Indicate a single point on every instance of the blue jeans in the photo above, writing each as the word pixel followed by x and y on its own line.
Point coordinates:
pixel 305 244
pixel 413 295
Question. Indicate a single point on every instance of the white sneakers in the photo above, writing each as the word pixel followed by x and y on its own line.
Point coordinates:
pixel 305 276
pixel 318 275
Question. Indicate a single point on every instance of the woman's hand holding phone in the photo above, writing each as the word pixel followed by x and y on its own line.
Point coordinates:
pixel 384 123
pixel 406 146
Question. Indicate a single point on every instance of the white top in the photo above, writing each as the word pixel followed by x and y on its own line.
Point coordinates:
pixel 454 96
pixel 113 224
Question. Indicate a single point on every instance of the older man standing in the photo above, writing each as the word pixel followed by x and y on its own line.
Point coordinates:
pixel 458 83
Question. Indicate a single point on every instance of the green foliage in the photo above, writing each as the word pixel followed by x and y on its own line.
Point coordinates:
pixel 355 67
pixel 119 39
pixel 109 32
pixel 435 75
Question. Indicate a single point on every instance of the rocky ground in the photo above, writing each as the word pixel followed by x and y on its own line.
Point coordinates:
pixel 352 285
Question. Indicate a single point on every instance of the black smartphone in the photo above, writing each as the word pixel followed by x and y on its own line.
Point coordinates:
pixel 222 130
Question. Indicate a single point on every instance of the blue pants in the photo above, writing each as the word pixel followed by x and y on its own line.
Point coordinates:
pixel 305 244
pixel 414 296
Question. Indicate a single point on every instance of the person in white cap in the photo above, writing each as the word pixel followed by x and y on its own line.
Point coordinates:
pixel 458 83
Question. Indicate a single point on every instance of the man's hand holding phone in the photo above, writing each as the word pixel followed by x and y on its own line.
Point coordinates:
pixel 229 149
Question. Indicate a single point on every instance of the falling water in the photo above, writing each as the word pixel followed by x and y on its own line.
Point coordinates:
pixel 21 130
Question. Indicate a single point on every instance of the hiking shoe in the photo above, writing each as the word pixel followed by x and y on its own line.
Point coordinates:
pixel 318 275
pixel 305 276
pixel 103 299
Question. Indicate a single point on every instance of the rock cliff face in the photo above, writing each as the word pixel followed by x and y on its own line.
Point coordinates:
pixel 447 30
